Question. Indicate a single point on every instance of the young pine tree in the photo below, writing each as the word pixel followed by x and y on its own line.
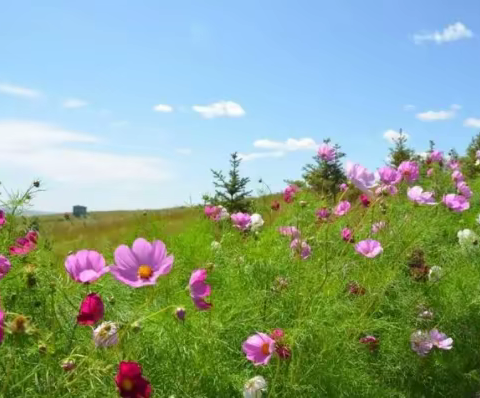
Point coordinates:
pixel 469 162
pixel 400 152
pixel 232 193
pixel 325 177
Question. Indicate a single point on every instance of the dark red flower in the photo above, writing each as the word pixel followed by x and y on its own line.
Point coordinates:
pixel 283 351
pixel 91 310
pixel 371 341
pixel 365 200
pixel 356 289
pixel 275 205
pixel 130 382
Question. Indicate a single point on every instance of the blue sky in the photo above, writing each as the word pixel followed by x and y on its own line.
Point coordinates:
pixel 79 82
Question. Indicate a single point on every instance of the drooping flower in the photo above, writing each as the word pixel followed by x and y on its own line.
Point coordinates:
pixel 199 289
pixel 85 266
pixel 106 334
pixel 342 208
pixel 4 266
pixel 301 247
pixel 326 152
pixel 289 231
pixel 3 218
pixel 347 235
pixel 369 248
pixel 440 340
pixel 464 189
pixel 389 175
pixel 343 187
pixel 435 273
pixel 259 348
pixel 421 343
pixel 360 177
pixel 24 245
pixel 417 195
pixel 256 221
pixel 409 170
pixel 457 176
pixel 378 226
pixel 365 200
pixel 130 382
pixel 371 341
pixel 323 214
pixel 241 221
pixel 91 310
pixel 254 387
pixel 429 172
pixel 467 238
pixel 180 313
pixel 457 203
pixel 141 265
pixel 275 205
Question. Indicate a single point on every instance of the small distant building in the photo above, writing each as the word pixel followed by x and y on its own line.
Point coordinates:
pixel 79 211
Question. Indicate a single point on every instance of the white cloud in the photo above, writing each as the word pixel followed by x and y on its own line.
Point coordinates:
pixel 259 155
pixel 163 108
pixel 74 103
pixel 430 116
pixel 456 31
pixel 18 91
pixel 291 144
pixel 219 109
pixel 44 150
pixel 408 107
pixel 456 107
pixel 392 135
pixel 184 151
pixel 472 122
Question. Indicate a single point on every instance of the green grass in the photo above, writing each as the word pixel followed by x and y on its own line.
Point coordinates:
pixel 202 357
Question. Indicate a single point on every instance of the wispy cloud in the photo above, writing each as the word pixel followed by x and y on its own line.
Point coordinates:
pixel 74 103
pixel 259 155
pixel 164 108
pixel 219 109
pixel 290 144
pixel 472 122
pixel 184 151
pixel 456 31
pixel 392 135
pixel 18 91
pixel 409 107
pixel 430 116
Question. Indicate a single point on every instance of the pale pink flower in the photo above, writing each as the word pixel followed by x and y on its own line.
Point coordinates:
pixel 440 340
pixel 241 221
pixel 417 195
pixel 409 170
pixel 369 248
pixel 86 266
pixel 343 187
pixel 289 231
pixel 342 208
pixel 464 189
pixel 378 226
pixel 326 152
pixel 453 164
pixel 323 213
pixel 360 177
pixel 259 348
pixel 477 154
pixel 457 203
pixel 457 176
pixel 421 343
pixel 301 247
pixel 435 156
pixel 429 172
pixel 389 175
pixel 199 289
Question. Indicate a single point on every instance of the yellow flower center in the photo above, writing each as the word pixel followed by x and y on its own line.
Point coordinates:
pixel 265 348
pixel 127 384
pixel 145 271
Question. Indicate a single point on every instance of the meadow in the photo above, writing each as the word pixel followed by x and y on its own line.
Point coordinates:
pixel 376 295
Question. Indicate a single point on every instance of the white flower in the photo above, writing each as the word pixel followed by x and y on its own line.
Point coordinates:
pixel 477 162
pixel 478 219
pixel 224 214
pixel 253 388
pixel 215 245
pixel 467 238
pixel 105 334
pixel 256 221
pixel 435 273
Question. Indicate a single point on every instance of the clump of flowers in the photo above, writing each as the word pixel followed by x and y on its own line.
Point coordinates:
pixel 130 382
pixel 457 176
pixel 85 266
pixel 301 247
pixel 216 213
pixel 199 289
pixel 24 245
pixel 464 189
pixel 389 175
pixel 369 248
pixel 422 342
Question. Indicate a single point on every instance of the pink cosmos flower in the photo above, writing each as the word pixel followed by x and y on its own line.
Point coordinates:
pixel 386 190
pixel 24 245
pixel 241 220
pixel 360 177
pixel 347 235
pixel 4 266
pixel 199 289
pixel 464 189
pixel 435 156
pixel 454 164
pixel 91 310
pixel 301 247
pixel 323 213
pixel 289 231
pixel 429 172
pixel 369 248
pixel 365 200
pixel 211 211
pixel 389 175
pixel 290 192
pixel 457 203
pixel 342 208
pixel 378 226
pixel 85 266
pixel 409 170
pixel 343 187
pixel 142 264
pixel 457 176
pixel 421 343
pixel 3 218
pixel 259 348
pixel 477 154
pixel 417 195
pixel 440 340
pixel 326 152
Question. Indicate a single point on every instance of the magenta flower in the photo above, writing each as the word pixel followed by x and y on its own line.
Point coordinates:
pixel 180 313
pixel 289 231
pixel 4 266
pixel 342 208
pixel 199 289
pixel 343 187
pixel 301 247
pixel 142 264
pixel 91 310
pixel 378 226
pixel 457 203
pixel 421 343
pixel 457 176
pixel 277 334
pixel 360 177
pixel 435 156
pixel 290 192
pixel 369 248
pixel 259 348
pixel 389 175
pixel 409 170
pixel 347 235
pixel 323 214
pixel 24 245
pixel 211 211
pixel 417 195
pixel 364 199
pixel 241 221
pixel 429 172
pixel 371 341
pixel 3 218
pixel 85 266
pixel 326 152
pixel 283 351
pixel 464 189
pixel 440 340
